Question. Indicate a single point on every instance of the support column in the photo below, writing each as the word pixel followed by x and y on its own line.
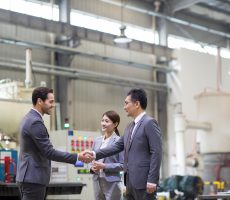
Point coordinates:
pixel 62 95
pixel 161 27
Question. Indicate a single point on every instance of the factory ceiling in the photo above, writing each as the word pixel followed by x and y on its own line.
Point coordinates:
pixel 206 21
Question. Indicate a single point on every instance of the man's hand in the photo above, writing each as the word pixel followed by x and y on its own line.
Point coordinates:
pixel 86 156
pixel 151 187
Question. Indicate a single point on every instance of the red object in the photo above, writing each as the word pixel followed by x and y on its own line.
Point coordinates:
pixel 87 144
pixel 7 162
pixel 7 169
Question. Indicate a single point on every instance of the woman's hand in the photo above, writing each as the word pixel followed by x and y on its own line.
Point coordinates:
pixel 97 166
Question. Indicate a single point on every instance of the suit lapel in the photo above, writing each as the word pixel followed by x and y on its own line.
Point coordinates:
pixel 136 130
pixel 111 141
pixel 99 143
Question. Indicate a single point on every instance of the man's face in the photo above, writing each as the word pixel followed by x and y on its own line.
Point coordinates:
pixel 130 107
pixel 48 104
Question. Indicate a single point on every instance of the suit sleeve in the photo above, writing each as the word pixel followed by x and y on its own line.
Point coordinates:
pixel 115 167
pixel 41 139
pixel 117 147
pixel 155 146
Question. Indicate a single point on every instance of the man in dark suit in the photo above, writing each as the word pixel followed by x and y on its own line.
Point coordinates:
pixel 142 147
pixel 36 150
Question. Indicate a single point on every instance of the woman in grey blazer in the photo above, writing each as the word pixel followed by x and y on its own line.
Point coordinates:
pixel 106 178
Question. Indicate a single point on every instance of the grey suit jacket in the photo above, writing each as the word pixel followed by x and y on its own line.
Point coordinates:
pixel 144 152
pixel 36 151
pixel 114 164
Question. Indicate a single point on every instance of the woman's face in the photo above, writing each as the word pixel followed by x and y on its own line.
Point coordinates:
pixel 107 126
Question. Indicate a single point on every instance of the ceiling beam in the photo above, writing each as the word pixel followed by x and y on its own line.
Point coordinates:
pixel 177 5
pixel 136 6
pixel 42 68
pixel 92 55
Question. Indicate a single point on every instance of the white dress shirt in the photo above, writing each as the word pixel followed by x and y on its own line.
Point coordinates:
pixel 136 121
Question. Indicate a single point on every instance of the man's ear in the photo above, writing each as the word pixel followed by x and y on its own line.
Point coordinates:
pixel 39 101
pixel 137 103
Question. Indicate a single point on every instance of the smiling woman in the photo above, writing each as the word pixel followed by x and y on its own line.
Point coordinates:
pixel 106 178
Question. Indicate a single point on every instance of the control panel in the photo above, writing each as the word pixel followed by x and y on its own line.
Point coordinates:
pixel 73 141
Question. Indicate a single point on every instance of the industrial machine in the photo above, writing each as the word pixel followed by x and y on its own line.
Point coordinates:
pixel 8 165
pixel 73 141
pixel 182 187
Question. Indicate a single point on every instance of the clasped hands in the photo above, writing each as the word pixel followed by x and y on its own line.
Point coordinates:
pixel 86 156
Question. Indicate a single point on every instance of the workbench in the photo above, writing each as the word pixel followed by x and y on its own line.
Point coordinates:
pixel 214 196
pixel 9 191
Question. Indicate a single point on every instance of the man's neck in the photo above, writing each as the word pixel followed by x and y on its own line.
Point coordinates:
pixel 138 113
pixel 38 110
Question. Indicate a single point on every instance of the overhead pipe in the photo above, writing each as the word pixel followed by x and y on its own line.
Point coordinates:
pixel 83 75
pixel 92 55
pixel 205 126
pixel 147 11
pixel 219 70
pixel 28 80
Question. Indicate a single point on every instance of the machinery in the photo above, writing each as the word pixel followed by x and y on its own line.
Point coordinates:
pixel 73 141
pixel 212 141
pixel 182 187
pixel 8 165
pixel 214 108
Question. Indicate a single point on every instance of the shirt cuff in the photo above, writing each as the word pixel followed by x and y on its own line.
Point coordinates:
pixel 94 154
pixel 152 184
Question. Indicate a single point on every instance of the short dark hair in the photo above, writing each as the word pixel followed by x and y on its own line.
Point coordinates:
pixel 138 95
pixel 40 92
pixel 114 117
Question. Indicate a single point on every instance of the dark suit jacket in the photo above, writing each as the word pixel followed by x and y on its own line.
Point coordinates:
pixel 36 151
pixel 144 152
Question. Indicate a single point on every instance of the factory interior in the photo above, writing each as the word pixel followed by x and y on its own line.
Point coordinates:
pixel 92 52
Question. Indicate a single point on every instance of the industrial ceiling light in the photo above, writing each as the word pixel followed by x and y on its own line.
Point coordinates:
pixel 122 38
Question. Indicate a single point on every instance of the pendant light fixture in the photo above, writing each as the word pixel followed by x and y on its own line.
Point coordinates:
pixel 122 38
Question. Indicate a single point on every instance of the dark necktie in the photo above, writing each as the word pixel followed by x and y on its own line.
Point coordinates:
pixel 127 146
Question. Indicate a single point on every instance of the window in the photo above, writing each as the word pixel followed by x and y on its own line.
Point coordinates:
pixel 35 8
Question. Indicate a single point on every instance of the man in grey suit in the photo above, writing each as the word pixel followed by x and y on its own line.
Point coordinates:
pixel 142 147
pixel 36 150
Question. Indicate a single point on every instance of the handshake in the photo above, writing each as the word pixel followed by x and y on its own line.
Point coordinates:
pixel 86 156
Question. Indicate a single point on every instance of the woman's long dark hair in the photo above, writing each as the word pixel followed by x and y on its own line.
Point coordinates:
pixel 115 118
